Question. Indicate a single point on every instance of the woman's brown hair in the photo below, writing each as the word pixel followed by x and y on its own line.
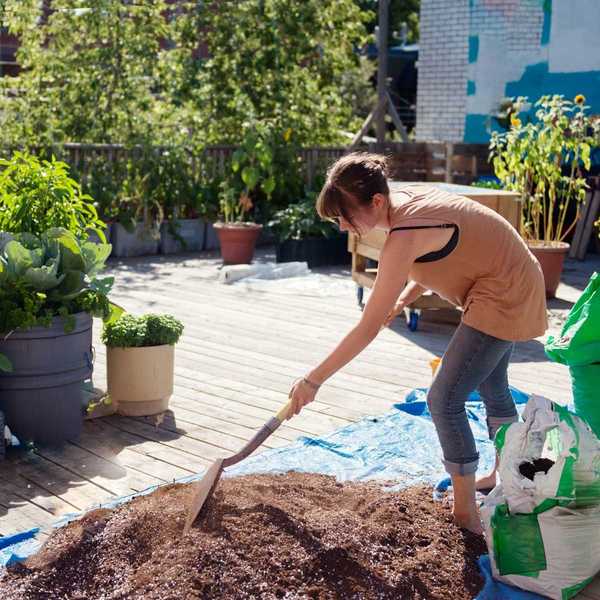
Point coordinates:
pixel 353 179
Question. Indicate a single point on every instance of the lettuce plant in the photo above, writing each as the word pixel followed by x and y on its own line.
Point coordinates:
pixel 52 275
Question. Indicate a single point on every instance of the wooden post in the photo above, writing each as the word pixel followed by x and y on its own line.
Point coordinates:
pixel 382 49
pixel 449 161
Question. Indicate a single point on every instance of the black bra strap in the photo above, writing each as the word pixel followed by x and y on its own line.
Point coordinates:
pixel 443 226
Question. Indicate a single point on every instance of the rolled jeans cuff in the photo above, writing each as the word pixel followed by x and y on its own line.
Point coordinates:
pixel 494 423
pixel 460 468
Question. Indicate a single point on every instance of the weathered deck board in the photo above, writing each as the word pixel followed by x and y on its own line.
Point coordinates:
pixel 234 366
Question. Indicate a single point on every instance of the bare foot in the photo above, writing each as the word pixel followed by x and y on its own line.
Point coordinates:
pixel 487 482
pixel 472 522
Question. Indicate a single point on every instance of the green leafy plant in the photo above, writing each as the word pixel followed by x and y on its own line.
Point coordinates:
pixel 544 161
pixel 130 331
pixel 137 202
pixel 51 275
pixel 36 195
pixel 300 221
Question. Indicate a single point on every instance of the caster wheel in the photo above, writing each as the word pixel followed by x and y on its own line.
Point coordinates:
pixel 413 321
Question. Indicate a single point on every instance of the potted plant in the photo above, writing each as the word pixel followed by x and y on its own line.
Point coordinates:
pixel 138 213
pixel 544 160
pixel 140 362
pixel 251 177
pixel 178 192
pixel 49 292
pixel 303 236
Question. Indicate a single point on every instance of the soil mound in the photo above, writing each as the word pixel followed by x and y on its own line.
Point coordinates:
pixel 286 536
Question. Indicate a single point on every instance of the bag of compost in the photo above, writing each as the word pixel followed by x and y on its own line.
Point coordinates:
pixel 543 521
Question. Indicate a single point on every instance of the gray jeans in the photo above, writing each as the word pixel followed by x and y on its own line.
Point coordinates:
pixel 473 361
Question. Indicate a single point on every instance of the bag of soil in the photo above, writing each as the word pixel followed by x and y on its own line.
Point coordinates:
pixel 585 381
pixel 543 520
pixel 579 341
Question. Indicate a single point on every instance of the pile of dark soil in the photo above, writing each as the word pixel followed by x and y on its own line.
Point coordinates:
pixel 287 536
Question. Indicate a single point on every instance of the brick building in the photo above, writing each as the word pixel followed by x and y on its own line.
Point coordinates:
pixel 474 53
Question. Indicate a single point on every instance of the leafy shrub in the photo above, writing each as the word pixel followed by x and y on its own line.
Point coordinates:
pixel 130 331
pixel 300 221
pixel 37 195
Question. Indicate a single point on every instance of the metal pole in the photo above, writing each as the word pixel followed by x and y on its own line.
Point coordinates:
pixel 382 51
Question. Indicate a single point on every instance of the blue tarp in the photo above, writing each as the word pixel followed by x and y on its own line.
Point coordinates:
pixel 401 446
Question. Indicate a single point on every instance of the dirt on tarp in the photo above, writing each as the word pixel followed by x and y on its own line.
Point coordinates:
pixel 265 536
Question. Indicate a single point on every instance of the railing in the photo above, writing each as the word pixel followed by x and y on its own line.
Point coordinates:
pixel 414 161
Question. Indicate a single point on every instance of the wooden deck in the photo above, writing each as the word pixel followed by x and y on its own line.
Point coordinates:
pixel 235 364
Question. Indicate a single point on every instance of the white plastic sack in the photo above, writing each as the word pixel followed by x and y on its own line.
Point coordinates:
pixel 543 522
pixel 571 546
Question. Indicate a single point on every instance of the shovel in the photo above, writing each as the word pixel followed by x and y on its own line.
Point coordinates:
pixel 205 487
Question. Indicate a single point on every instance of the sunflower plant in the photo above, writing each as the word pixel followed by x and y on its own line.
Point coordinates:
pixel 544 159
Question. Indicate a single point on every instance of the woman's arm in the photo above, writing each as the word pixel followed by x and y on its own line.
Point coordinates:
pixel 394 264
pixel 413 291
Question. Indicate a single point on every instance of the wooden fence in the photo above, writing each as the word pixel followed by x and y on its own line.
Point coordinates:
pixel 415 161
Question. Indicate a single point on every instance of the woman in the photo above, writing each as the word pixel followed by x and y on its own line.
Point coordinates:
pixel 467 254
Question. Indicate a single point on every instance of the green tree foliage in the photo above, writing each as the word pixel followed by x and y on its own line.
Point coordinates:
pixel 400 11
pixel 282 60
pixel 89 70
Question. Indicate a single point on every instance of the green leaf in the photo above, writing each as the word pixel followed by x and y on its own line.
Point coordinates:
pixel 72 284
pixel 268 185
pixel 45 277
pixel 18 258
pixel 250 177
pixel 115 313
pixel 102 285
pixel 7 367
pixel 94 257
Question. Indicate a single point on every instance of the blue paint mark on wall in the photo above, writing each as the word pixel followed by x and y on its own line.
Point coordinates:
pixel 471 88
pixel 547 22
pixel 537 81
pixel 473 48
pixel 479 127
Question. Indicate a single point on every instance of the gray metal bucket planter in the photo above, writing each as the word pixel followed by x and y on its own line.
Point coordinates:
pixel 191 231
pixel 140 242
pixel 211 241
pixel 42 398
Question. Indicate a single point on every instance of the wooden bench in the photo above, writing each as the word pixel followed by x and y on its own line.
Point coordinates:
pixel 368 247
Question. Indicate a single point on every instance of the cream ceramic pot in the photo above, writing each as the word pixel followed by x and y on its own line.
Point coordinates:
pixel 140 380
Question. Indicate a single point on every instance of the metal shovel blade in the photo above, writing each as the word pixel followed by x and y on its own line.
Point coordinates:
pixel 202 490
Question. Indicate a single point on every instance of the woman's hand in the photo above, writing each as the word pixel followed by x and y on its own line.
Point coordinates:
pixel 301 394
pixel 398 309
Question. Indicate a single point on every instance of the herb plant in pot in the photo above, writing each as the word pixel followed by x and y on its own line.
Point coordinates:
pixel 140 362
pixel 544 160
pixel 48 294
pixel 303 236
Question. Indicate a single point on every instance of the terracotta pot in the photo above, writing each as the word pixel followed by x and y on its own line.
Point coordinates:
pixel 551 256
pixel 140 380
pixel 237 241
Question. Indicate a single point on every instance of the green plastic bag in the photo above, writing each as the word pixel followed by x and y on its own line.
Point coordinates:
pixel 579 341
pixel 586 394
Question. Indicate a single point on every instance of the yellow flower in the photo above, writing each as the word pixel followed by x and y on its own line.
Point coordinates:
pixel 580 99
pixel 287 134
pixel 515 121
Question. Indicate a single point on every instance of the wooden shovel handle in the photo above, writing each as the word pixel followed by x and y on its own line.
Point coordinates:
pixel 285 412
